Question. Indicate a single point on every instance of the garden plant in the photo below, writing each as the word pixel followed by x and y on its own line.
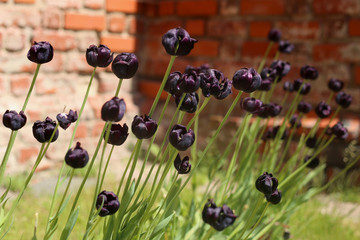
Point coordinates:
pixel 249 190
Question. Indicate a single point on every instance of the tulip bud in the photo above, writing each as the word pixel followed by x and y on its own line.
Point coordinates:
pixel 42 131
pixel 66 119
pixel 181 138
pixel 295 121
pixel 311 142
pixel 274 109
pixel 340 131
pixel 41 52
pixel 274 197
pixel 265 85
pixel 14 120
pixel 125 65
pixel 308 72
pixel 323 110
pixel 182 166
pixel 266 183
pixel 218 217
pixel 272 132
pixel 335 84
pixel 99 56
pixel 189 82
pixel 274 35
pixel 118 134
pixel 286 47
pixel 343 99
pixel 251 105
pixel 282 68
pixel 171 85
pixel 77 157
pixel 304 107
pixel 314 162
pixel 177 42
pixel 305 88
pixel 189 103
pixel 247 80
pixel 113 110
pixel 143 127
pixel 288 86
pixel 109 202
pixel 213 82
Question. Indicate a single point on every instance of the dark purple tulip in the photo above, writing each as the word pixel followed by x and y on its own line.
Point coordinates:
pixel 66 119
pixel 274 197
pixel 282 68
pixel 202 69
pixel 272 132
pixel 305 89
pixel 118 134
pixel 189 82
pixel 125 65
pixel 177 42
pixel 309 72
pixel 266 183
pixel 274 109
pixel 189 103
pixel 171 85
pixel 286 235
pixel 265 85
pixel 343 99
pixel 143 127
pixel 274 35
pixel 340 131
pixel 77 157
pixel 251 105
pixel 218 217
pixel 41 52
pixel 42 130
pixel 109 201
pixel 113 110
pixel 270 73
pixel 288 86
pixel 180 138
pixel 247 80
pixel 14 120
pixel 213 82
pixel 182 166
pixel 311 142
pixel 99 56
pixel 323 110
pixel 295 121
pixel 314 162
pixel 304 107
pixel 263 111
pixel 335 85
pixel 286 46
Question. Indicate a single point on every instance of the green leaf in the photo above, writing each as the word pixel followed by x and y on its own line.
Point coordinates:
pixel 160 228
pixel 70 224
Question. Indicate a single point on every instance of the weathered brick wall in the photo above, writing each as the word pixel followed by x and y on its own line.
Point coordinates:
pixel 231 34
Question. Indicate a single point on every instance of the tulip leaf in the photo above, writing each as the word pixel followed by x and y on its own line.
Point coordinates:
pixel 70 224
pixel 160 228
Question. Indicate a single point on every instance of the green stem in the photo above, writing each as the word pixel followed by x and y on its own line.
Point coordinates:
pixel 31 87
pixel 118 87
pixel 106 166
pixel 258 221
pixel 263 60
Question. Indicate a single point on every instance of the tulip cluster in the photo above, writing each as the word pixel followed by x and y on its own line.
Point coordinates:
pixel 267 184
pixel 218 217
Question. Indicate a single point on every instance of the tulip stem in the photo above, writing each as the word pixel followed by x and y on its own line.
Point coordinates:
pixel 31 87
pixel 258 221
pixel 118 87
pixel 263 60
pixel 156 100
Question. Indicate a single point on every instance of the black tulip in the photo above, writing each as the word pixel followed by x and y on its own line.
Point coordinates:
pixel 343 99
pixel 266 183
pixel 305 87
pixel 125 65
pixel 323 110
pixel 247 80
pixel 311 142
pixel 314 162
pixel 335 85
pixel 143 127
pixel 274 35
pixel 189 82
pixel 77 157
pixel 304 107
pixel 286 46
pixel 99 56
pixel 309 72
pixel 272 132
pixel 282 68
pixel 177 42
pixel 288 86
pixel 113 110
pixel 218 217
pixel 14 120
pixel 265 85
pixel 181 138
pixel 189 103
pixel 251 105
pixel 183 166
pixel 295 121
pixel 42 130
pixel 109 202
pixel 118 134
pixel 66 119
pixel 274 197
pixel 213 82
pixel 274 109
pixel 340 131
pixel 41 52
pixel 171 85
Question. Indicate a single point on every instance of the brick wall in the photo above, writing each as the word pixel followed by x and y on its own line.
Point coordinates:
pixel 231 34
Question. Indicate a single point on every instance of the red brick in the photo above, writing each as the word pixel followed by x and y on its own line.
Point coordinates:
pixel 119 44
pixel 26 154
pixel 76 62
pixel 150 89
pixel 256 49
pixel 229 7
pixel 229 50
pixel 354 27
pixel 126 6
pixel 337 52
pixel 81 131
pixel 97 128
pixel 3 0
pixel 59 41
pixel 51 18
pixel 298 7
pixel 195 27
pixel 20 84
pixel 197 8
pixel 221 28
pixel 33 115
pixel 76 21
pixel 357 75
pixel 299 30
pixel 161 27
pixel 148 9
pixel 334 28
pixel 208 48
pixel 260 29
pixel 94 4
pixel 25 1
pixel 116 23
pixel 336 6
pixel 136 26
pixel 262 7
pixel 166 8
pixel 21 17
pixel 64 4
